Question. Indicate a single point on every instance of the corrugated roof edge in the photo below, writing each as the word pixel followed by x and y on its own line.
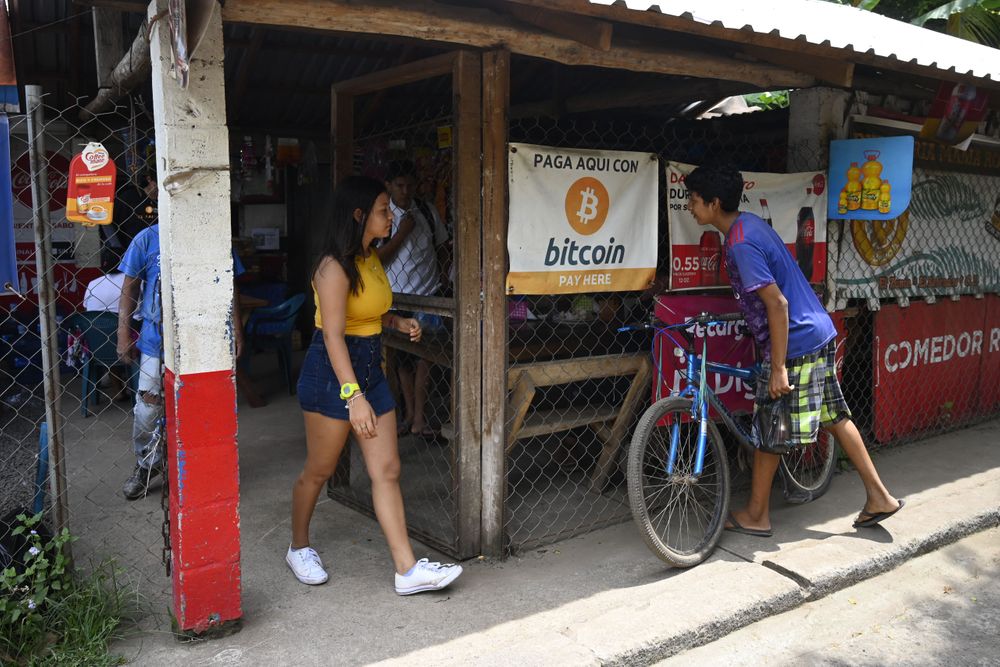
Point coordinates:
pixel 968 59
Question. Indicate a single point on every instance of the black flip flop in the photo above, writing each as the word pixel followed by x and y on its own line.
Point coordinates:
pixel 737 528
pixel 877 517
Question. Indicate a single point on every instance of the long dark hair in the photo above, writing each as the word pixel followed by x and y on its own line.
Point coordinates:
pixel 344 234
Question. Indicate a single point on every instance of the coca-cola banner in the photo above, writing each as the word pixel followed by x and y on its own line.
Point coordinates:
pixel 932 362
pixel 581 220
pixel 946 243
pixel 793 204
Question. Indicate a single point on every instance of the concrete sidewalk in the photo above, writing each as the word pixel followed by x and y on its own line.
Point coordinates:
pixel 597 599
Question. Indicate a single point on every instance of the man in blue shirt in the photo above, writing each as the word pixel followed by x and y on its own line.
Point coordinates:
pixel 795 339
pixel 141 266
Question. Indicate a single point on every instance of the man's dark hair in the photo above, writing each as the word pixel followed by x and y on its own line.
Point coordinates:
pixel 398 168
pixel 724 183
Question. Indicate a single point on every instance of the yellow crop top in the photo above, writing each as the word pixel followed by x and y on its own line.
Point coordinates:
pixel 365 309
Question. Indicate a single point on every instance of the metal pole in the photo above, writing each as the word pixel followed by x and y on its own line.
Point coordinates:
pixel 47 306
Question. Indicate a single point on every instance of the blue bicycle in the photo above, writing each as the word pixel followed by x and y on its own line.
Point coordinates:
pixel 678 469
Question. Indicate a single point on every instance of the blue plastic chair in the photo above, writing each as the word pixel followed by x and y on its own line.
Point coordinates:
pixel 271 327
pixel 100 331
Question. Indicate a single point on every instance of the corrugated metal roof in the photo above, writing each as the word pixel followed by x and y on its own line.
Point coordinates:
pixel 835 26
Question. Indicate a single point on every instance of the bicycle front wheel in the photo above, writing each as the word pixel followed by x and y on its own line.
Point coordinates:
pixel 808 471
pixel 680 515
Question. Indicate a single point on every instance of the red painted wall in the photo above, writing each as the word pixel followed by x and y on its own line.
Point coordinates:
pixel 204 498
pixel 929 362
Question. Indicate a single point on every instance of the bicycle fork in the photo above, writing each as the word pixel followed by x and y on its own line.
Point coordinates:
pixel 699 413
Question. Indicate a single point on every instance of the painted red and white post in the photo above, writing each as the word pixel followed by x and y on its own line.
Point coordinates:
pixel 192 159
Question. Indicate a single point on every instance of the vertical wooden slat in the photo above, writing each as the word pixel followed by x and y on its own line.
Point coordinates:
pixel 466 395
pixel 342 134
pixel 496 107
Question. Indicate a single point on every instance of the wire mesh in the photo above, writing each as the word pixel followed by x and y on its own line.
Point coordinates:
pixel 558 432
pixel 96 388
pixel 416 150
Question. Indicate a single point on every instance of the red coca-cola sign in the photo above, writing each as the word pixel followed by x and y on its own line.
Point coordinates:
pixel 58 176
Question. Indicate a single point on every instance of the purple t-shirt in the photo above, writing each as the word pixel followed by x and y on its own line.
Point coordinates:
pixel 755 258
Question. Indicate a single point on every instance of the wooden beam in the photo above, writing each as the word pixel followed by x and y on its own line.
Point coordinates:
pixel 496 104
pixel 243 71
pixel 432 21
pixel 108 42
pixel 587 31
pixel 835 72
pixel 418 70
pixel 467 388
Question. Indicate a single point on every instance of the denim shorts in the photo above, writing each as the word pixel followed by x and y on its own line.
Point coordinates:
pixel 319 388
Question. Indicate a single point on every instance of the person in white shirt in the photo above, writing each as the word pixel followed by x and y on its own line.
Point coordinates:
pixel 104 291
pixel 415 257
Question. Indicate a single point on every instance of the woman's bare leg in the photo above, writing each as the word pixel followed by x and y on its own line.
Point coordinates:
pixel 325 439
pixel 382 460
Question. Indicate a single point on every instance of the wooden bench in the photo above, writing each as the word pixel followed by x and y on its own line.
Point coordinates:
pixel 609 421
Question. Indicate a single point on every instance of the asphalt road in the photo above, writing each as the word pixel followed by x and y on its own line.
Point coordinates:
pixel 942 608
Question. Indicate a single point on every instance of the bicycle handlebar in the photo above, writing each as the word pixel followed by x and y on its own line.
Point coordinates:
pixel 706 318
pixel 703 319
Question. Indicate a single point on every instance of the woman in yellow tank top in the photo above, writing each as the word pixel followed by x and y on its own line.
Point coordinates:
pixel 342 386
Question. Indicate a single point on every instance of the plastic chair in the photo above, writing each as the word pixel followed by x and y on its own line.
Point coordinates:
pixel 100 331
pixel 271 327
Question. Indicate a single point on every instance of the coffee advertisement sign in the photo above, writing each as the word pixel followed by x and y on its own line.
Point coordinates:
pixel 794 205
pixel 90 198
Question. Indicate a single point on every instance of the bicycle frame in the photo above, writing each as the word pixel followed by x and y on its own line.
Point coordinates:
pixel 702 396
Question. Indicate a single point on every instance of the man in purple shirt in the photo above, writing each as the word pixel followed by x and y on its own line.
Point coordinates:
pixel 796 341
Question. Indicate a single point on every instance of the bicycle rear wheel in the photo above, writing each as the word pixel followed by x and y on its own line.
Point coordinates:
pixel 680 516
pixel 807 472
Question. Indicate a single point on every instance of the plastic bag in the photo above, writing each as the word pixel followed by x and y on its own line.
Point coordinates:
pixel 772 426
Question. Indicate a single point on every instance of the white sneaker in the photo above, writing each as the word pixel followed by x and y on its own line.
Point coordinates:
pixel 427 576
pixel 306 565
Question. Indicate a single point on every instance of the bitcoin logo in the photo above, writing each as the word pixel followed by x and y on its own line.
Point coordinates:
pixel 587 203
pixel 878 241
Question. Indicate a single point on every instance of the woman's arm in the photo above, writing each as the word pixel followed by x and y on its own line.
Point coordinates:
pixel 332 286
pixel 407 325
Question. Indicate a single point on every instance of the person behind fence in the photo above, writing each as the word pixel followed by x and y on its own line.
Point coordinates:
pixel 416 258
pixel 342 387
pixel 141 266
pixel 796 341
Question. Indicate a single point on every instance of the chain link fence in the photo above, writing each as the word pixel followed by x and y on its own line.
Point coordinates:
pixel 94 396
pixel 917 299
pixel 413 153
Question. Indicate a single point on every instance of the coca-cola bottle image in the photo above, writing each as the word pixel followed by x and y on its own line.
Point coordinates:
pixel 710 250
pixel 961 100
pixel 805 238
pixel 766 213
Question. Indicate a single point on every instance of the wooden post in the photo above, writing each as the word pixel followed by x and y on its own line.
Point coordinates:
pixel 466 394
pixel 342 117
pixel 496 106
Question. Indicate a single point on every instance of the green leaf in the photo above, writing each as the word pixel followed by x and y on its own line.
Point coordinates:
pixel 868 5
pixel 18 531
pixel 16 614
pixel 945 10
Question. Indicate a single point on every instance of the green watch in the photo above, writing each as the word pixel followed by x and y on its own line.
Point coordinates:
pixel 349 389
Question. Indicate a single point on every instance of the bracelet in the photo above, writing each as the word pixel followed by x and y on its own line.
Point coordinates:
pixel 353 398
